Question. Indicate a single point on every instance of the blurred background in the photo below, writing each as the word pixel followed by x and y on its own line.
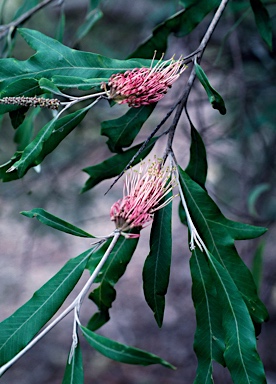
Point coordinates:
pixel 241 179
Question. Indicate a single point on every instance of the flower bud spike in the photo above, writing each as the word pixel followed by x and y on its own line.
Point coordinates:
pixel 31 102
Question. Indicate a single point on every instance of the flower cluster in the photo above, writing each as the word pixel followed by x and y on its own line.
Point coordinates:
pixel 143 192
pixel 143 86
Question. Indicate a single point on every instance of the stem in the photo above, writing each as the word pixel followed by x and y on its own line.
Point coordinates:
pixel 195 237
pixel 21 19
pixel 192 77
pixel 144 145
pixel 85 289
pixel 75 304
pixel 81 98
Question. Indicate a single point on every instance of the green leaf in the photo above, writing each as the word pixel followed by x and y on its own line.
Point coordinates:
pixel 61 25
pixel 120 352
pixel 33 149
pixel 63 127
pixel 99 318
pixel 114 165
pixel 48 86
pixel 18 116
pixel 181 24
pixel 263 21
pixel 24 132
pixel 4 176
pixel 18 330
pixel 94 4
pixel 208 342
pixel 188 3
pixel 197 167
pixel 240 354
pixel 52 221
pixel 55 59
pixel 45 142
pixel 122 131
pixel 112 271
pixel 90 20
pixel 214 97
pixel 156 271
pixel 219 234
pixel 74 370
pixel 77 82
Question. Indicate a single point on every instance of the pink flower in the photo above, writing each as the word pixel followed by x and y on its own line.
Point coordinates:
pixel 143 86
pixel 143 192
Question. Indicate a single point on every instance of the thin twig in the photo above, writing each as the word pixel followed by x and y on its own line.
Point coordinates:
pixel 140 150
pixel 192 77
pixel 5 29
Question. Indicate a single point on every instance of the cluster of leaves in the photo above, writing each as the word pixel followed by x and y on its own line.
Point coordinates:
pixel 228 309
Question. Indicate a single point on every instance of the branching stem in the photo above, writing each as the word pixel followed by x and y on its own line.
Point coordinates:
pixel 144 145
pixel 188 87
pixel 8 28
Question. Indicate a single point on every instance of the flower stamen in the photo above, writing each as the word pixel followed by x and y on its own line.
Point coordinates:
pixel 142 195
pixel 143 86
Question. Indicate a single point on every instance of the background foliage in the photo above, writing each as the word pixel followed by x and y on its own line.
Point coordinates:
pixel 241 175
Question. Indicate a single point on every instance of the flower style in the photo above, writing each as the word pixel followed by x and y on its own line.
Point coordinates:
pixel 143 86
pixel 143 192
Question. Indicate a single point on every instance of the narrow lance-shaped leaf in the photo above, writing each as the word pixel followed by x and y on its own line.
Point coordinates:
pixel 181 24
pixel 263 21
pixel 197 167
pixel 156 271
pixel 122 131
pixel 4 176
pixel 240 354
pixel 214 97
pixel 112 271
pixel 48 86
pixel 18 330
pixel 74 369
pixel 55 222
pixel 60 25
pixel 32 154
pixel 115 165
pixel 18 116
pixel 218 234
pixel 92 17
pixel 120 352
pixel 24 132
pixel 208 341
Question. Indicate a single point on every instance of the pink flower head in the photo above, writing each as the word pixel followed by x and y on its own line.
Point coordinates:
pixel 143 192
pixel 143 86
